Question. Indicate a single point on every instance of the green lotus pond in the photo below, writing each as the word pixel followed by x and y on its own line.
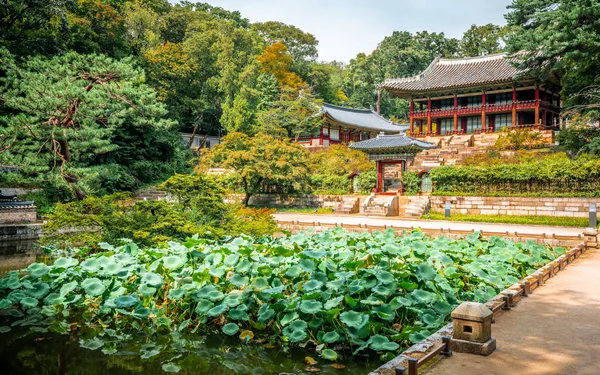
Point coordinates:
pixel 248 305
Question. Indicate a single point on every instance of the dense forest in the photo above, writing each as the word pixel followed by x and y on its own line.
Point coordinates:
pixel 98 90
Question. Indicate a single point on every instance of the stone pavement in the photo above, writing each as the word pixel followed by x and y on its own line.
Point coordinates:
pixel 554 331
pixel 427 224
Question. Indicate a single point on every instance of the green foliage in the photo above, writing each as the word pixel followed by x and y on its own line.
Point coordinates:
pixel 411 183
pixel 512 219
pixel 559 39
pixel 368 181
pixel 575 140
pixel 86 119
pixel 111 218
pixel 553 174
pixel 260 161
pixel 334 289
pixel 482 40
pixel 519 139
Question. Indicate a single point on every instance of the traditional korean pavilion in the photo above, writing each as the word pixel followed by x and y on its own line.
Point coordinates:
pixel 346 125
pixel 393 154
pixel 474 95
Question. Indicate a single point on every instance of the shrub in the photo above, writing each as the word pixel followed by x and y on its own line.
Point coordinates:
pixel 411 183
pixel 368 181
pixel 520 139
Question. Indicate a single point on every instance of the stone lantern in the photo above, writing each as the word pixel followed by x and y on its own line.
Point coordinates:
pixel 472 329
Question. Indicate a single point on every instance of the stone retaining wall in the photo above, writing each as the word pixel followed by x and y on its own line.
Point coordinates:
pixel 18 215
pixel 565 207
pixel 16 232
pixel 293 201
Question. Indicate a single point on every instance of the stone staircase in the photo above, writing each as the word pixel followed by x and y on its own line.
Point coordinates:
pixel 381 205
pixel 150 194
pixel 348 205
pixel 417 206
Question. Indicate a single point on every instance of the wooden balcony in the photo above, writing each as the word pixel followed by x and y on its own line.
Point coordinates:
pixel 489 108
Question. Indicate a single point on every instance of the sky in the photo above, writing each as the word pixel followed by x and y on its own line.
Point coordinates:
pixel 345 28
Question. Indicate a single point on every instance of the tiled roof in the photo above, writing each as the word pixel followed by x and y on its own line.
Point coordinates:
pixel 456 73
pixel 382 142
pixel 362 118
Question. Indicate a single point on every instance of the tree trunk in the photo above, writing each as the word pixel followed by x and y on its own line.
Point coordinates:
pixel 246 199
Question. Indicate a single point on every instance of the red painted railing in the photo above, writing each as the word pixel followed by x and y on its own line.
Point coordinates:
pixel 489 108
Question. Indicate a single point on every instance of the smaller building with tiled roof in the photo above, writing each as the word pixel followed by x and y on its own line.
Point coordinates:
pixel 348 125
pixel 474 95
pixel 393 154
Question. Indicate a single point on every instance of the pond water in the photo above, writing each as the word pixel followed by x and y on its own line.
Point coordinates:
pixel 41 353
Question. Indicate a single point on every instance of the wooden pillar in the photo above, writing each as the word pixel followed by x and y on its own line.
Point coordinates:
pixel 411 116
pixel 483 122
pixel 428 115
pixel 455 112
pixel 537 105
pixel 379 187
pixel 514 107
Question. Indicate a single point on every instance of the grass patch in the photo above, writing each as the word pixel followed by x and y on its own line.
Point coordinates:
pixel 533 220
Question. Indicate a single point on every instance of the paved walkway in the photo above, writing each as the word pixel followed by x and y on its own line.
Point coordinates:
pixel 428 224
pixel 554 331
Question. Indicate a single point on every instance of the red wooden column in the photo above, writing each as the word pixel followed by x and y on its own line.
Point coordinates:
pixel 483 122
pixel 514 107
pixel 537 105
pixel 379 177
pixel 411 114
pixel 428 115
pixel 455 112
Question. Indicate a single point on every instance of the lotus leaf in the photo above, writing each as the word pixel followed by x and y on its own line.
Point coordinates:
pixel 146 290
pixel 215 295
pixel 259 284
pixel 53 299
pixel 336 284
pixel 384 277
pixel 356 286
pixel 29 302
pixel 38 290
pixel 173 262
pixel 246 335
pixel 312 285
pixel 93 287
pixel 329 354
pixel 230 329
pixel 92 344
pixel 170 367
pixel 5 303
pixel 217 310
pixel 91 265
pixel 307 265
pixel 232 300
pixel 64 262
pixel 68 288
pixel 423 297
pixel 265 313
pixel 379 343
pixel 298 325
pixel 176 294
pixel 287 318
pixel 331 337
pixel 4 329
pixel 354 319
pixel 37 269
pixel 152 279
pixel 243 266
pixel 13 283
pixel 372 301
pixel 297 336
pixel 141 313
pixel 150 353
pixel 231 260
pixel 237 314
pixel 293 272
pixel 203 306
pixel 330 304
pixel 126 301
pixel 310 307
pixel 239 280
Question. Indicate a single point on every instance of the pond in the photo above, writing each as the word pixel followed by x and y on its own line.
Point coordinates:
pixel 51 353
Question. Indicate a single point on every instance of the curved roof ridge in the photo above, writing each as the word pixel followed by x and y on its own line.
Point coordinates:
pixel 473 59
pixel 362 110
